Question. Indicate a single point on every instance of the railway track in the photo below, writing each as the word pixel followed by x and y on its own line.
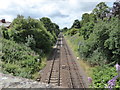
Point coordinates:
pixel 75 78
pixel 54 77
pixel 67 76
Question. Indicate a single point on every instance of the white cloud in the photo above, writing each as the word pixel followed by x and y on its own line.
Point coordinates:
pixel 62 12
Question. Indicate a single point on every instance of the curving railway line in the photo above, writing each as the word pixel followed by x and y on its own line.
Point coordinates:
pixel 61 69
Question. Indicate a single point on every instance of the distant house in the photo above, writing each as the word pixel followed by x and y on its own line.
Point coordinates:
pixel 4 23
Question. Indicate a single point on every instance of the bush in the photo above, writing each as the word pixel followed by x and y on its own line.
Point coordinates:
pixel 101 76
pixel 19 60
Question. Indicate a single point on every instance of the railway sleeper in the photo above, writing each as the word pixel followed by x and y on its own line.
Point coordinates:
pixel 53 78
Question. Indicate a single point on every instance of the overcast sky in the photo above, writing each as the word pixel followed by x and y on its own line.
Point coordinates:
pixel 62 12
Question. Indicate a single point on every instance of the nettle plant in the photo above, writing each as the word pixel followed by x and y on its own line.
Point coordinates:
pixel 111 83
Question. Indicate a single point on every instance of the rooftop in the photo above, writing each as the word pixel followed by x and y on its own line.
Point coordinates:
pixel 4 23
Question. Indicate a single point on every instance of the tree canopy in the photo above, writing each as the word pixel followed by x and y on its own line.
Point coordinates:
pixel 22 29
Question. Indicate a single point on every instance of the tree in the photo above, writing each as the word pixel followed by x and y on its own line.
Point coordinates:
pixel 101 10
pixel 65 29
pixel 116 9
pixel 53 28
pixel 22 28
pixel 76 24
pixel 92 18
pixel 47 23
pixel 86 30
pixel 103 44
pixel 85 18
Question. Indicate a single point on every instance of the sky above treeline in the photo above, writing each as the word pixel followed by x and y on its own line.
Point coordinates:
pixel 62 12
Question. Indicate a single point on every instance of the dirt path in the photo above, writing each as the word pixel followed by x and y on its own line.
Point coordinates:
pixel 62 68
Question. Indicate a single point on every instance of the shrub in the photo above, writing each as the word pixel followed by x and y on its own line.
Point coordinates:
pixel 19 60
pixel 101 76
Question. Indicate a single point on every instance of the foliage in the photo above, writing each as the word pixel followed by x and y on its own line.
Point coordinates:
pixel 87 30
pixel 85 18
pixel 76 24
pixel 72 31
pixel 22 28
pixel 30 41
pixel 116 9
pixel 53 28
pixel 101 76
pixel 103 43
pixel 27 41
pixel 19 59
pixel 101 10
pixel 64 29
pixel 101 36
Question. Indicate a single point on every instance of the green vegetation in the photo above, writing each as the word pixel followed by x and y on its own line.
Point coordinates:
pixel 19 59
pixel 101 76
pixel 96 40
pixel 51 27
pixel 23 29
pixel 102 46
pixel 26 45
